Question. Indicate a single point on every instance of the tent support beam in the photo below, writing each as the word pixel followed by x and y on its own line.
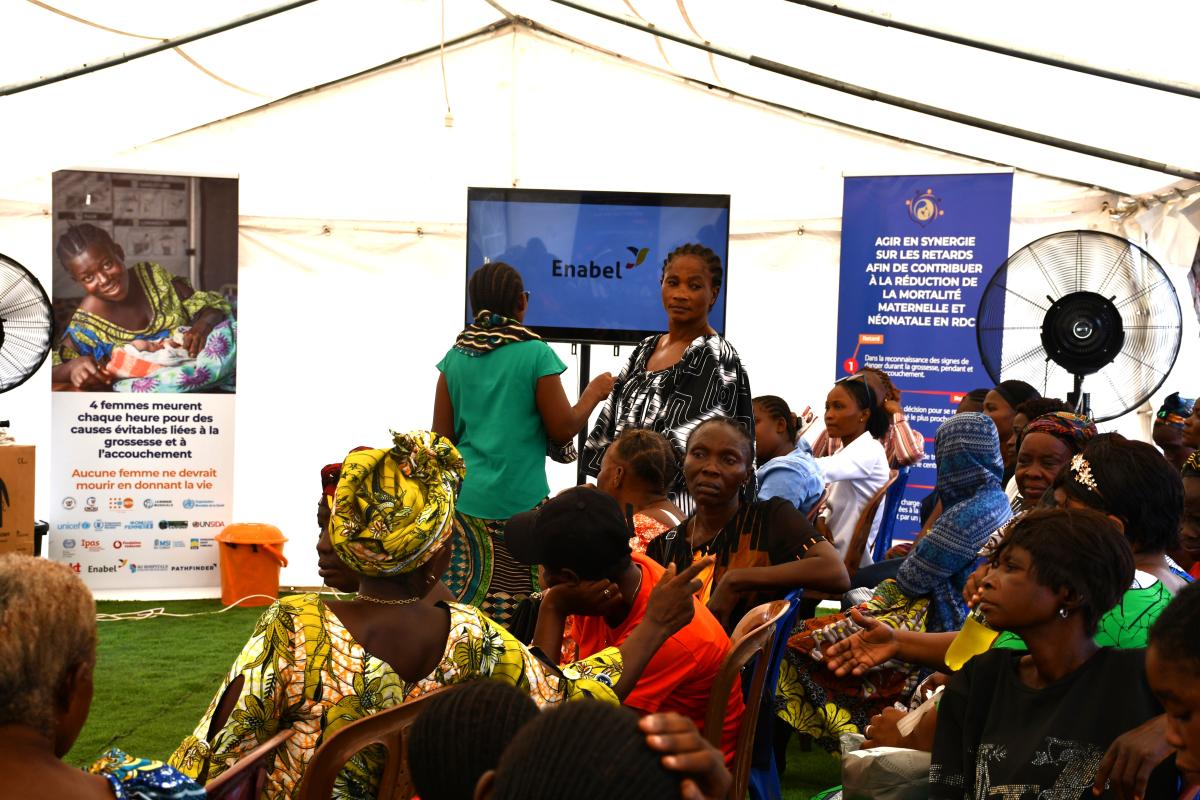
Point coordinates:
pixel 166 44
pixel 892 100
pixel 979 44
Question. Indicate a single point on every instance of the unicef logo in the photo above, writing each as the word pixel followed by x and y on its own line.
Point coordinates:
pixel 189 503
pixel 87 525
pixel 924 207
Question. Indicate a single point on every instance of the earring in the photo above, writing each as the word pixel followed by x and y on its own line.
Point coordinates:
pixel 1062 612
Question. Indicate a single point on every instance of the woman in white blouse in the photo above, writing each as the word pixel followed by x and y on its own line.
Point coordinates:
pixel 860 469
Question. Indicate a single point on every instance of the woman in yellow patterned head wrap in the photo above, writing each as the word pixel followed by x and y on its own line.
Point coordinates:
pixel 393 508
pixel 315 665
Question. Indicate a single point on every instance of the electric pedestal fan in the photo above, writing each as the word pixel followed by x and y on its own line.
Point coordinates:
pixel 1076 307
pixel 26 321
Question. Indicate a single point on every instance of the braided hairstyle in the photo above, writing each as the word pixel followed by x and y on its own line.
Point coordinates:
pixel 650 456
pixel 705 254
pixel 557 755
pixel 778 408
pixel 486 714
pixel 78 238
pixel 496 287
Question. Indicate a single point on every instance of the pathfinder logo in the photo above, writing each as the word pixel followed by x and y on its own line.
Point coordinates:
pixel 561 269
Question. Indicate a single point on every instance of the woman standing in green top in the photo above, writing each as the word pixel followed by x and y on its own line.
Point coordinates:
pixel 500 400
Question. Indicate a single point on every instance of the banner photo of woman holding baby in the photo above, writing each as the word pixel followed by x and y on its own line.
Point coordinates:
pixel 145 283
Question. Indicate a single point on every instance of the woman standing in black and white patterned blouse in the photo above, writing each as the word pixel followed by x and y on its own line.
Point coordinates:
pixel 675 380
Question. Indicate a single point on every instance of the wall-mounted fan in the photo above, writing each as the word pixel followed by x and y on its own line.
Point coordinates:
pixel 26 321
pixel 1082 310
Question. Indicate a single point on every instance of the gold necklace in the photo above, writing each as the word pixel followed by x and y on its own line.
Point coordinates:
pixel 381 601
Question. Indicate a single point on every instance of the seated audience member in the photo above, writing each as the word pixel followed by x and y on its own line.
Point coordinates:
pixel 315 665
pixel 972 401
pixel 926 594
pixel 592 751
pixel 857 471
pixel 1001 405
pixel 930 507
pixel 763 548
pixel 47 663
pixel 1168 429
pixel 1191 428
pixel 1011 723
pixel 580 537
pixel 1189 530
pixel 903 446
pixel 637 469
pixel 1026 413
pixel 1173 669
pixel 461 734
pixel 1051 441
pixel 787 471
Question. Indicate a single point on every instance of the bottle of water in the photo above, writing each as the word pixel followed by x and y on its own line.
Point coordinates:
pixel 975 637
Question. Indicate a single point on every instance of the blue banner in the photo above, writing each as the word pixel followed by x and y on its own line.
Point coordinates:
pixel 917 253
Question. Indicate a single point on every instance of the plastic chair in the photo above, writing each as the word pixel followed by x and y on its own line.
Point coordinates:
pixel 818 506
pixel 887 527
pixel 754 635
pixel 862 529
pixel 764 774
pixel 388 728
pixel 245 779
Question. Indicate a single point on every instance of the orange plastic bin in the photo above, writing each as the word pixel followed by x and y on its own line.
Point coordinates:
pixel 251 555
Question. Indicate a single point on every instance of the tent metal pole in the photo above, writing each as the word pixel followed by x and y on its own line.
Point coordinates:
pixel 166 44
pixel 892 100
pixel 1074 66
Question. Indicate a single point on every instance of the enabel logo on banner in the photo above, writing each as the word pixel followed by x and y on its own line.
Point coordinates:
pixel 924 207
pixel 592 270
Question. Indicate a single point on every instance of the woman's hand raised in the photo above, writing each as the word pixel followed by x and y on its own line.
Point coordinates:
pixel 870 647
pixel 672 601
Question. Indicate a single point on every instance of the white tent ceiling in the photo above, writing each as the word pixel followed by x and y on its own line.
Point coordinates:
pixel 91 116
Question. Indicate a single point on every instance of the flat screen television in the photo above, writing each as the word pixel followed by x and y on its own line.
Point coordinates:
pixel 591 261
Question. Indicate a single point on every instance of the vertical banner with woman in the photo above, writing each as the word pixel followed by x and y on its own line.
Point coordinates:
pixel 144 373
pixel 917 253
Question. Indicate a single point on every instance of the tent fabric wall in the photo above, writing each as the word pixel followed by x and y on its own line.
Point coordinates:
pixel 352 236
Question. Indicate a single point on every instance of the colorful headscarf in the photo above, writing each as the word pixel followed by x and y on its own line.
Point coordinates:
pixel 394 508
pixel 1071 429
pixel 491 331
pixel 1175 410
pixel 968 482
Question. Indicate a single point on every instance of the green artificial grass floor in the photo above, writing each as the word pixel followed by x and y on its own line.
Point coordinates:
pixel 155 678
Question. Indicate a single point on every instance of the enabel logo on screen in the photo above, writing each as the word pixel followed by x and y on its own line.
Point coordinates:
pixel 592 270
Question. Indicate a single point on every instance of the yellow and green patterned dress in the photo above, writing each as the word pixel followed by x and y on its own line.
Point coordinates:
pixel 302 670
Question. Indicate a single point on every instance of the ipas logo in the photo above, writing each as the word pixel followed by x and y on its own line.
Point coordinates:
pixel 590 270
pixel 924 207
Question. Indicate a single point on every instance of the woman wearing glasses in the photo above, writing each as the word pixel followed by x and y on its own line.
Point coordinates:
pixel 500 400
pixel 860 469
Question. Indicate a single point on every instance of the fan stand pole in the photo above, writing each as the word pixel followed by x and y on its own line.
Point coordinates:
pixel 1078 399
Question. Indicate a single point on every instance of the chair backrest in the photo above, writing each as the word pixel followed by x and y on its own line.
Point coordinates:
pixel 887 525
pixel 245 779
pixel 388 728
pixel 819 506
pixel 755 635
pixel 862 529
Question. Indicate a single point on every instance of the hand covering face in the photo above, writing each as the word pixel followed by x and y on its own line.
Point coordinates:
pixel 393 509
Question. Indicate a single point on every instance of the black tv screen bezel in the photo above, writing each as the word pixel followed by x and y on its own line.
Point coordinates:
pixel 580 197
